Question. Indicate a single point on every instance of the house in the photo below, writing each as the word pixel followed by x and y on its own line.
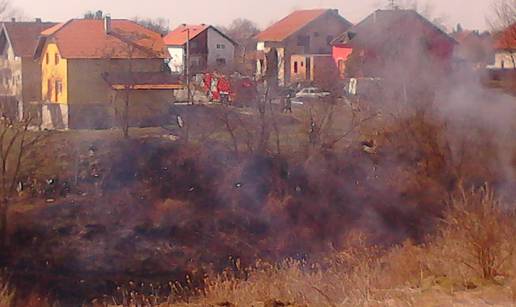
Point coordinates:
pixel 318 69
pixel 208 48
pixel 20 75
pixel 505 49
pixel 391 43
pixel 475 49
pixel 92 68
pixel 306 32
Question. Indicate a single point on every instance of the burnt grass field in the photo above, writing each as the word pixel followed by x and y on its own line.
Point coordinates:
pixel 98 211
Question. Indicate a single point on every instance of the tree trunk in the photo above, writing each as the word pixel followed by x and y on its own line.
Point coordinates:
pixel 3 226
pixel 125 127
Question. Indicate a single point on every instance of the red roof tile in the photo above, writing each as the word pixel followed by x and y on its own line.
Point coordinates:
pixel 24 36
pixel 178 36
pixel 507 38
pixel 290 25
pixel 86 38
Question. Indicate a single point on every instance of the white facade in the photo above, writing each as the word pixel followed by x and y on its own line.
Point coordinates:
pixel 177 57
pixel 221 51
pixel 504 60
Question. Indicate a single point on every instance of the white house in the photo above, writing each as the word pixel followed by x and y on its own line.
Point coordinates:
pixel 209 48
pixel 505 49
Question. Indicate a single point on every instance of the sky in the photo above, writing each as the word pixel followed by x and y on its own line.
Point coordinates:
pixel 470 13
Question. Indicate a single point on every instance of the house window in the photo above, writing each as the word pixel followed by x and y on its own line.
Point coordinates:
pixel 221 46
pixel 221 62
pixel 295 68
pixel 502 64
pixel 46 58
pixel 58 89
pixel 56 58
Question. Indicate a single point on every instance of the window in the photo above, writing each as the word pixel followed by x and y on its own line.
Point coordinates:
pixel 46 58
pixel 221 46
pixel 194 45
pixel 302 64
pixel 56 58
pixel 221 62
pixel 295 67
pixel 58 89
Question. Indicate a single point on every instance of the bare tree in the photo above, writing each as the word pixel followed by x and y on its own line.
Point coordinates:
pixel 503 22
pixel 94 15
pixel 15 142
pixel 243 31
pixel 159 25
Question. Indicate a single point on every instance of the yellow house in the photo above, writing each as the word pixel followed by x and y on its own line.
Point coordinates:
pixel 90 67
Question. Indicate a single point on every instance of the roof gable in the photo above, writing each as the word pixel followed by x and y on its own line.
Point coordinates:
pixel 86 38
pixel 384 26
pixel 23 36
pixel 293 23
pixel 179 35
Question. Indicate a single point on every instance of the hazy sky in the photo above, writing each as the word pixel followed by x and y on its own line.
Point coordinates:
pixel 470 13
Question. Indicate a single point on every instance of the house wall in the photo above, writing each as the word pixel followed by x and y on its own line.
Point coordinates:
pixel 219 47
pixel 31 80
pixel 504 60
pixel 177 57
pixel 52 72
pixel 320 70
pixel 320 32
pixel 10 73
pixel 340 56
pixel 199 53
pixel 85 82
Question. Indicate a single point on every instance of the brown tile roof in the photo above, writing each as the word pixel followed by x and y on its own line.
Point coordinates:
pixel 24 36
pixel 506 40
pixel 291 24
pixel 143 81
pixel 178 36
pixel 86 38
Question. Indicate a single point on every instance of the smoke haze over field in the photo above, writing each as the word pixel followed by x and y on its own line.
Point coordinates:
pixel 471 14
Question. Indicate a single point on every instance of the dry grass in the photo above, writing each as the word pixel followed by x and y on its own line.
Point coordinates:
pixel 468 262
pixel 6 295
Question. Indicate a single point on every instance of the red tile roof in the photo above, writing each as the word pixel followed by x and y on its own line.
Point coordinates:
pixel 24 36
pixel 506 39
pixel 86 38
pixel 291 24
pixel 178 36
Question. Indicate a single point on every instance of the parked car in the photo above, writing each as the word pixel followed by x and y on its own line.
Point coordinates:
pixel 312 92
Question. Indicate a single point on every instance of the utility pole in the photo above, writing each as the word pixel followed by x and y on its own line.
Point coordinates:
pixel 187 70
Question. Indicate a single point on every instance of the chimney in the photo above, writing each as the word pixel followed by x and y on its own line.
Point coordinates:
pixel 107 24
pixel 38 20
